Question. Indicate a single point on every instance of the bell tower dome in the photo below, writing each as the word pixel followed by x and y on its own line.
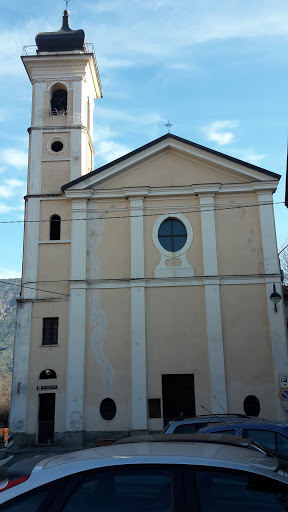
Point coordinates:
pixel 65 79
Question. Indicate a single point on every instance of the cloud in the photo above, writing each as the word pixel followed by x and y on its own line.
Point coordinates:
pixel 109 150
pixel 249 155
pixel 220 131
pixel 6 273
pixel 7 190
pixel 15 157
pixel 5 208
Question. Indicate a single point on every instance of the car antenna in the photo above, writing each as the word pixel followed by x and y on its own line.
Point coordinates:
pixel 223 421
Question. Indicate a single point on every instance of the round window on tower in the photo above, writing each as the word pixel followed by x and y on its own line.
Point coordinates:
pixel 56 146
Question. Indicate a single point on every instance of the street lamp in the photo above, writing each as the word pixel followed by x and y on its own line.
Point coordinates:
pixel 275 297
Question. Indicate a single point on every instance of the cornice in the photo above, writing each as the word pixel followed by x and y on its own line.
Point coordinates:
pixel 206 190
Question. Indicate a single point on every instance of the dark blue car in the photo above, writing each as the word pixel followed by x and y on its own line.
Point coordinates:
pixel 272 434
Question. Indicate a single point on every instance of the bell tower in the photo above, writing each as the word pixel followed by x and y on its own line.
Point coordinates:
pixel 65 81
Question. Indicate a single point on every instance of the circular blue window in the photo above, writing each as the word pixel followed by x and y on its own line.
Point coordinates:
pixel 172 235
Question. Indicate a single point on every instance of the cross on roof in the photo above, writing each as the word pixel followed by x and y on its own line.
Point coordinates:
pixel 67 2
pixel 168 124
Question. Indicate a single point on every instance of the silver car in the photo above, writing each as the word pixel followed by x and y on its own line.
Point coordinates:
pixel 212 473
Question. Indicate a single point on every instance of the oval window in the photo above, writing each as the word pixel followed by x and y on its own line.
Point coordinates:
pixel 108 409
pixel 251 406
pixel 57 146
pixel 172 235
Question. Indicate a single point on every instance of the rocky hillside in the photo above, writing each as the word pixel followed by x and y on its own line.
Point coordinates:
pixel 8 294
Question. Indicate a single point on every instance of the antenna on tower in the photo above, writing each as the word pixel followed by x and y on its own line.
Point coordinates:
pixel 67 2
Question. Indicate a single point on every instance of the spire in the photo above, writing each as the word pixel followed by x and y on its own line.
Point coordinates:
pixel 65 39
pixel 65 23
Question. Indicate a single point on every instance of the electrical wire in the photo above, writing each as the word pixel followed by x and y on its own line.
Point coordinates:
pixel 199 210
pixel 129 279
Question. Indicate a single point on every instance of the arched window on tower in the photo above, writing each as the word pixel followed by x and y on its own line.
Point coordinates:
pixel 48 374
pixel 55 227
pixel 58 100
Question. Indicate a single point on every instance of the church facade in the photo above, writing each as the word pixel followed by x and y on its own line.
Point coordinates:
pixel 147 283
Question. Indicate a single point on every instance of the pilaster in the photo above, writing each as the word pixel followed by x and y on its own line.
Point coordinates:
pixel 77 325
pixel 138 317
pixel 30 257
pixel 276 318
pixel 213 306
pixel 19 389
pixel 268 233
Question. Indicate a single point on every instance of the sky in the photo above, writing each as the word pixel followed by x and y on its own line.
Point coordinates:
pixel 216 70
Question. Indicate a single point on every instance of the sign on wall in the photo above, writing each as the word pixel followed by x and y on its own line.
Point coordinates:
pixel 53 386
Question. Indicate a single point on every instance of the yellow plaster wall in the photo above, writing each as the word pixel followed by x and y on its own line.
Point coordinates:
pixel 43 357
pixel 172 168
pixel 247 347
pixel 108 358
pixel 176 337
pixel 54 175
pixel 238 232
pixel 60 207
pixel 109 251
pixel 53 269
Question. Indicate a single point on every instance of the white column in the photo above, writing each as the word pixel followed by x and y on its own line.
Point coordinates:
pixel 213 306
pixel 138 318
pixel 276 318
pixel 77 323
pixel 138 357
pixel 35 162
pixel 210 261
pixel 137 238
pixel 278 344
pixel 30 257
pixel 269 242
pixel 38 101
pixel 19 388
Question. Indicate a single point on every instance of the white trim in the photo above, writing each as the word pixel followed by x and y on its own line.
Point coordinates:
pixel 269 242
pixel 77 320
pixel 137 238
pixel 58 81
pixel 19 389
pixel 188 242
pixel 278 336
pixel 56 139
pixel 34 163
pixel 185 190
pixel 38 103
pixel 197 281
pixel 138 358
pixel 215 349
pixel 30 260
pixel 54 242
pixel 208 229
pixel 183 270
pixel 76 361
pixel 185 148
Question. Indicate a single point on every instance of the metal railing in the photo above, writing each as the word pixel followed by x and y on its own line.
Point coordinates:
pixel 88 48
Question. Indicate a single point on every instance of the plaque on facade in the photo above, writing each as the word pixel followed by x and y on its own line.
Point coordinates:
pixel 41 388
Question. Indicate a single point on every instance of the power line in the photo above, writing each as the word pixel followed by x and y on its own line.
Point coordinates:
pixel 34 288
pixel 199 210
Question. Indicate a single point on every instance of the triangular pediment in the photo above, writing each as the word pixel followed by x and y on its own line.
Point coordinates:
pixel 172 162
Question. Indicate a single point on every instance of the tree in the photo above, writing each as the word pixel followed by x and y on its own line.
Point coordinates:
pixel 283 256
pixel 5 391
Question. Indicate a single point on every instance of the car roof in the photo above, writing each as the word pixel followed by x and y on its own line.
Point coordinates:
pixel 206 449
pixel 249 421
